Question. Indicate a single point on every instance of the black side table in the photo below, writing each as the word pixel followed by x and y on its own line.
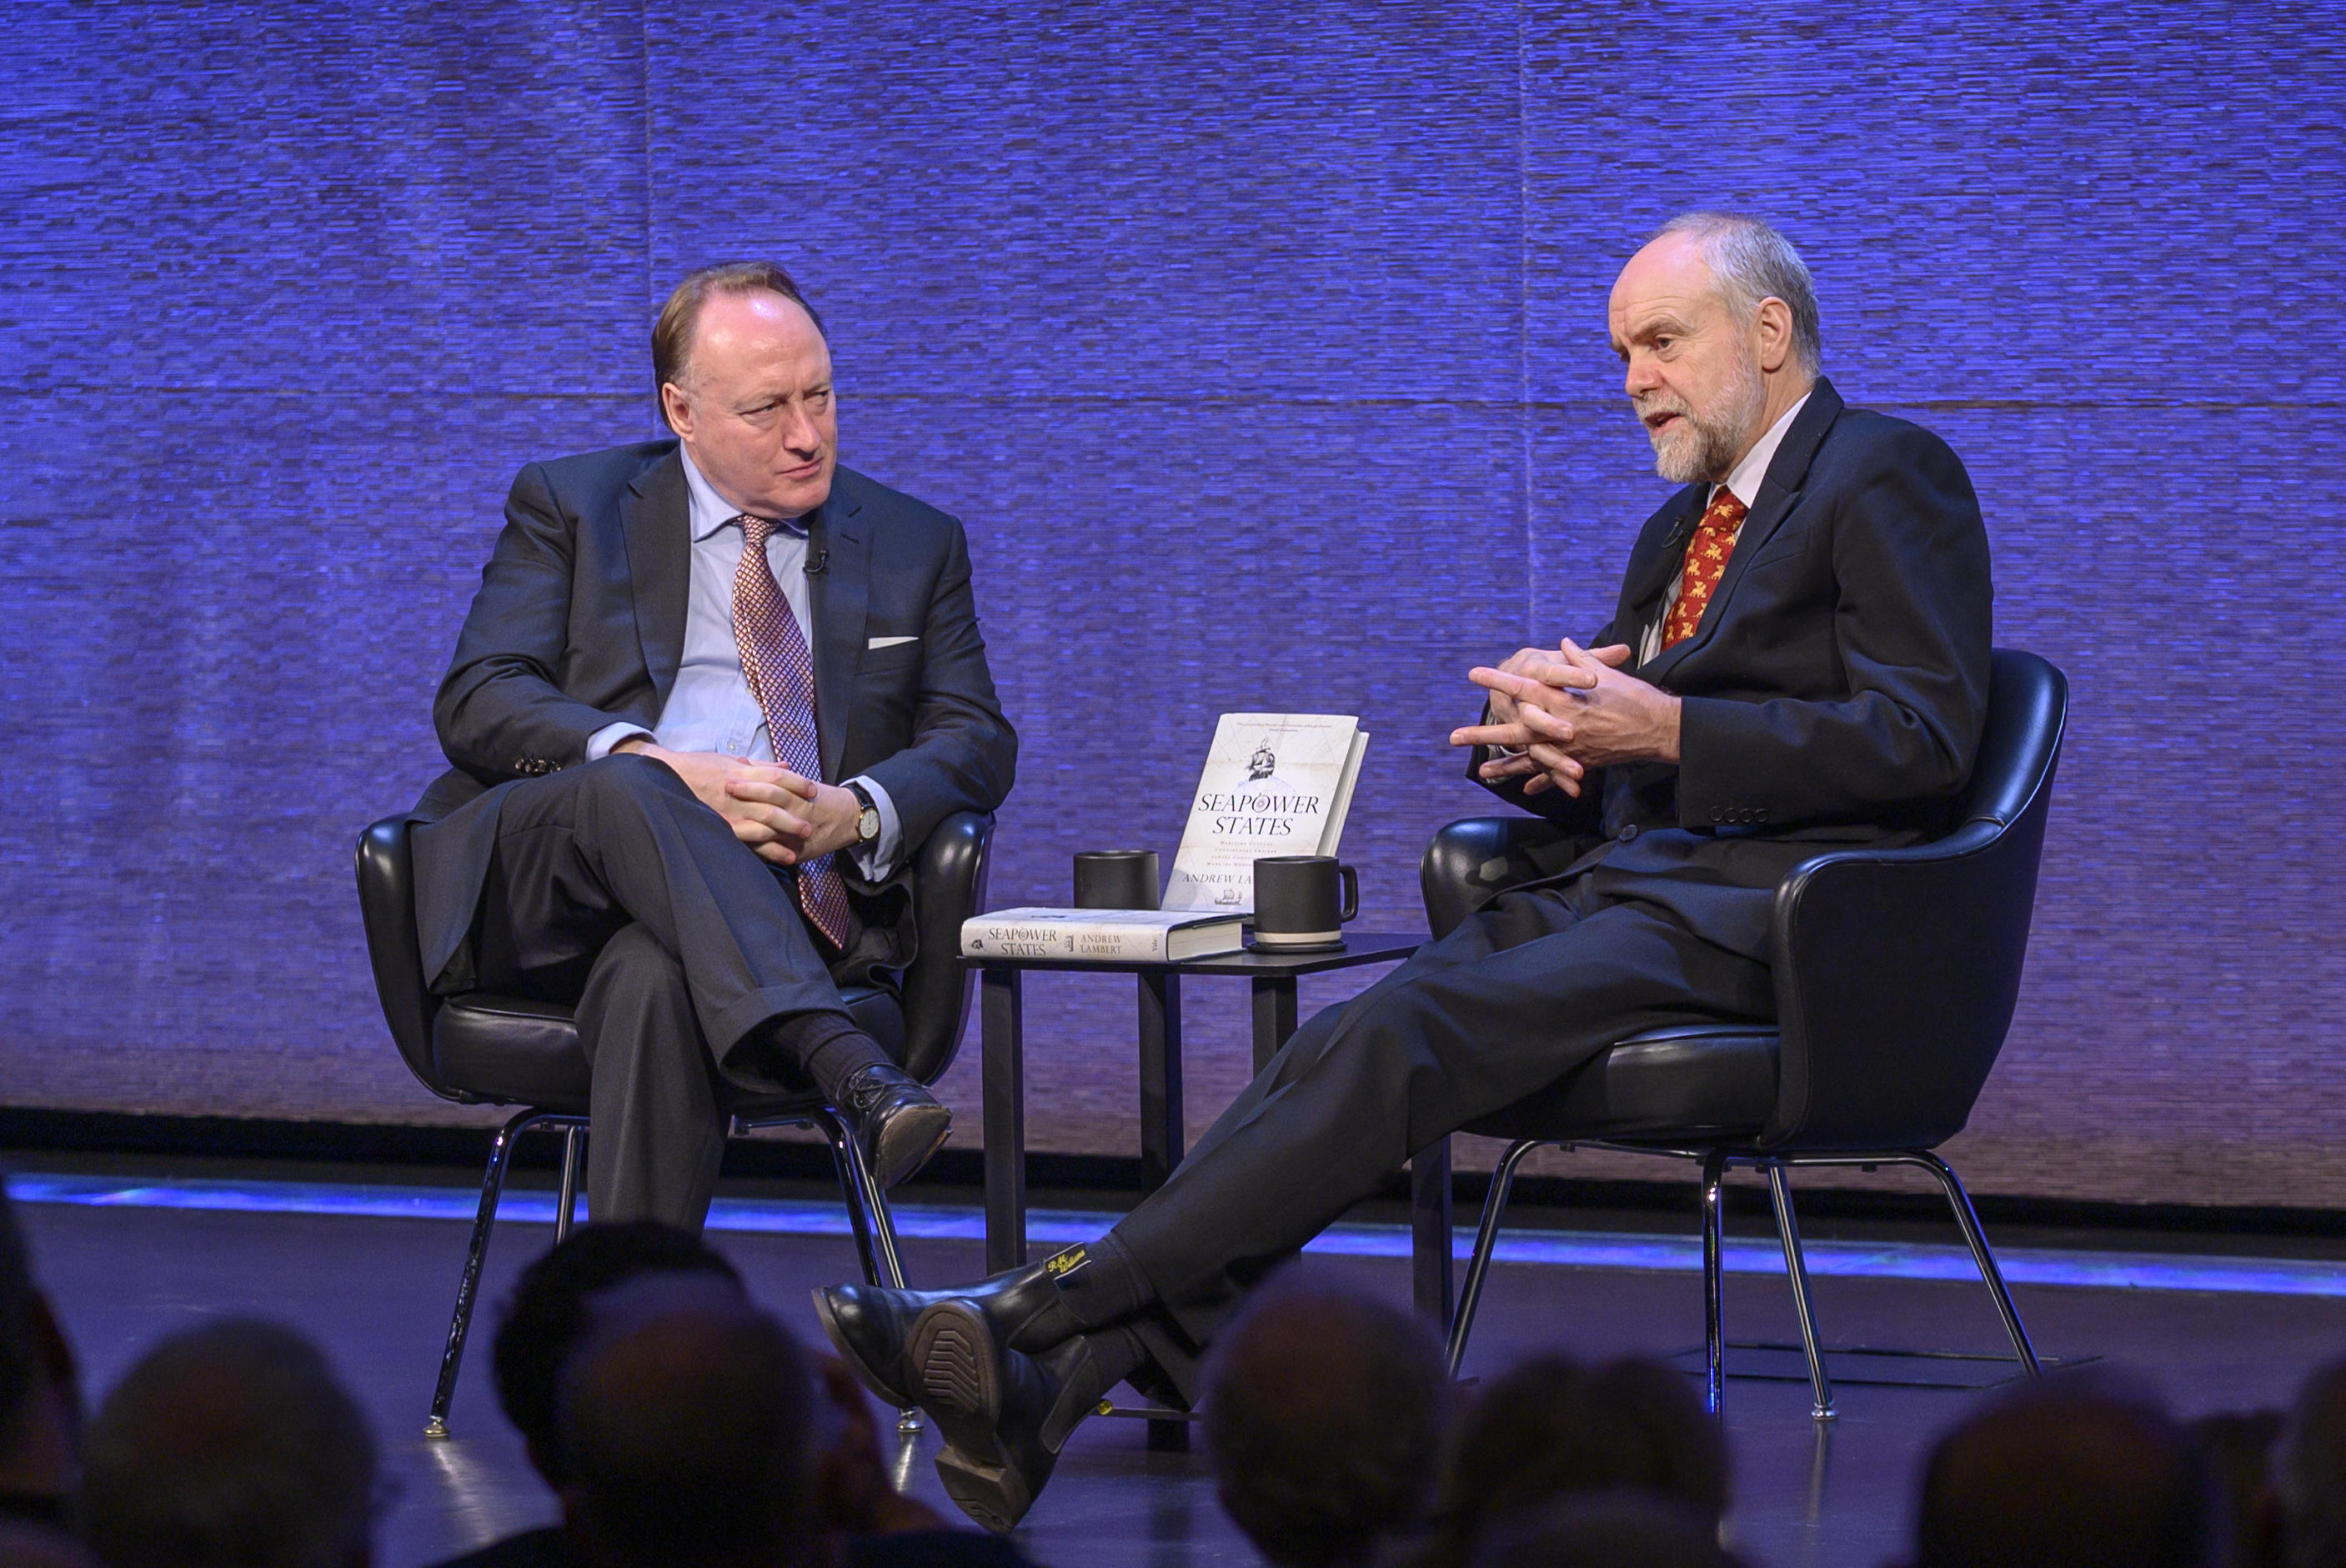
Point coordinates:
pixel 1162 1132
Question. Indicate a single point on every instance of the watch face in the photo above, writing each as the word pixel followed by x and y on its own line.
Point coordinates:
pixel 867 824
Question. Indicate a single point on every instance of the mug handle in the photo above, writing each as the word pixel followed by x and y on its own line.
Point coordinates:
pixel 1351 895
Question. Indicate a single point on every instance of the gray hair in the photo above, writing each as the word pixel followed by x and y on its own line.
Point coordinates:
pixel 1753 262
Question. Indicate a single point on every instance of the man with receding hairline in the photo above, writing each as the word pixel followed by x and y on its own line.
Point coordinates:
pixel 1797 660
pixel 713 694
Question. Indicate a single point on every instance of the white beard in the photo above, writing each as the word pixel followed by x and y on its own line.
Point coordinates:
pixel 1705 444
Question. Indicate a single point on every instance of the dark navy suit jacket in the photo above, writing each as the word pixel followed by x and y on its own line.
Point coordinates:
pixel 579 623
pixel 1834 692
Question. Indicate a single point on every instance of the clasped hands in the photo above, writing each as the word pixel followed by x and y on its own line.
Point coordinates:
pixel 784 817
pixel 1561 711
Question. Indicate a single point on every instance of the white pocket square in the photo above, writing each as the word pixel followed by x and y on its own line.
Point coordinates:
pixel 889 642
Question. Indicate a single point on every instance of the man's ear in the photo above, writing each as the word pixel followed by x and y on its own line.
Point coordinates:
pixel 677 407
pixel 1775 324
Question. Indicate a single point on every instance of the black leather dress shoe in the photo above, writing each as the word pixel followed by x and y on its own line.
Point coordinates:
pixel 897 1122
pixel 869 1326
pixel 1004 1415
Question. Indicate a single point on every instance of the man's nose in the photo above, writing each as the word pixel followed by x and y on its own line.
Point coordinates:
pixel 800 431
pixel 1640 376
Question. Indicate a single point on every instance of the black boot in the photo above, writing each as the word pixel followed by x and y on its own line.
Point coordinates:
pixel 871 1327
pixel 897 1123
pixel 1004 1415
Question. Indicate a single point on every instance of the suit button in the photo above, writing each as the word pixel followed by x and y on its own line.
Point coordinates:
pixel 1627 834
pixel 1716 815
pixel 1761 815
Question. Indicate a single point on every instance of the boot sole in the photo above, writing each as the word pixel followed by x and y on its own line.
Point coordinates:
pixel 953 1351
pixel 953 1355
pixel 907 1141
pixel 851 1359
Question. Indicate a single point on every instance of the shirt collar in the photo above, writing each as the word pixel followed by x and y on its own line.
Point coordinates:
pixel 1746 478
pixel 711 510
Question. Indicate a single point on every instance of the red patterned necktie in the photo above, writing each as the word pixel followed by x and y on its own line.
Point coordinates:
pixel 1706 563
pixel 782 677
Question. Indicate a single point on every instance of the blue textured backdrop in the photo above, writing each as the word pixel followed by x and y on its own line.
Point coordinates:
pixel 1262 353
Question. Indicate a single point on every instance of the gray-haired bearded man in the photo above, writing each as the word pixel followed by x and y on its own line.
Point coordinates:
pixel 1799 658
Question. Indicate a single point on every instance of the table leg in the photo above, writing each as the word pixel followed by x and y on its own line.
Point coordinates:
pixel 1430 1232
pixel 1274 1016
pixel 1162 1134
pixel 1004 1090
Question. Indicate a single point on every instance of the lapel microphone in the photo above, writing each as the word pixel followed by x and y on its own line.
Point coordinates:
pixel 818 557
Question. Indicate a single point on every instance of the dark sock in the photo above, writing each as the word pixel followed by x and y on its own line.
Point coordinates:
pixel 827 1048
pixel 1100 1284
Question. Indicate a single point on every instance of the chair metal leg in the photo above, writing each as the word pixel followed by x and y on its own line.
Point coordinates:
pixel 573 1155
pixel 868 1216
pixel 1968 1220
pixel 1714 1261
pixel 1787 1230
pixel 847 1161
pixel 1486 1241
pixel 468 1287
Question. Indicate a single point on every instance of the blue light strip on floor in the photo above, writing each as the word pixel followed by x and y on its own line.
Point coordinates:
pixel 1571 1249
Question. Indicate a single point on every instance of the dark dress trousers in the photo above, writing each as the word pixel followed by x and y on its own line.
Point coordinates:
pixel 607 883
pixel 1833 695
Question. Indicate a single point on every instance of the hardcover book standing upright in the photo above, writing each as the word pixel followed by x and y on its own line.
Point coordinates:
pixel 1274 784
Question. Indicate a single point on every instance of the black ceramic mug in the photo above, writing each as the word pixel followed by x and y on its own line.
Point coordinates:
pixel 1301 901
pixel 1116 880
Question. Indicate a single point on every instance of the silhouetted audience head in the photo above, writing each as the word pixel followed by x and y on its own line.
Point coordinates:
pixel 2239 1452
pixel 685 1441
pixel 1620 1529
pixel 2067 1474
pixel 40 1413
pixel 2310 1473
pixel 20 1358
pixel 230 1446
pixel 1323 1414
pixel 547 1316
pixel 1552 1428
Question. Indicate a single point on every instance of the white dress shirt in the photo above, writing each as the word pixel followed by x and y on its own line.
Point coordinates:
pixel 1744 482
pixel 709 708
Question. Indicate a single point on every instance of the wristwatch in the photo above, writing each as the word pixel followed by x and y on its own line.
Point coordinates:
pixel 867 819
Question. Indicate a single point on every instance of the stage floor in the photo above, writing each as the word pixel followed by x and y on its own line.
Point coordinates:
pixel 369 1271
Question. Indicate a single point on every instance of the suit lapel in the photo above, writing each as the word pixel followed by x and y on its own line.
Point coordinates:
pixel 841 592
pixel 656 521
pixel 1780 493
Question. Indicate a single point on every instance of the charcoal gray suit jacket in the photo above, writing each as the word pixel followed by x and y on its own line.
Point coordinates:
pixel 1834 692
pixel 579 623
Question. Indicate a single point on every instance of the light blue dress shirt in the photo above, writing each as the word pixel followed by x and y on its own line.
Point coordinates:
pixel 709 708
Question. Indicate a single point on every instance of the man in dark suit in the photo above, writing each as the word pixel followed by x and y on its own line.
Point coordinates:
pixel 712 697
pixel 1799 659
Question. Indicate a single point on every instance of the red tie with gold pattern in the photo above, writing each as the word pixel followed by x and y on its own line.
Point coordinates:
pixel 782 677
pixel 1706 563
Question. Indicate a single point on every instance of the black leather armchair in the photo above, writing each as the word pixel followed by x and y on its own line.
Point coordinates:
pixel 1896 975
pixel 484 1049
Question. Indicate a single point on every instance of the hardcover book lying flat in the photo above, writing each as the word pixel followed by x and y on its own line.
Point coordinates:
pixel 1108 936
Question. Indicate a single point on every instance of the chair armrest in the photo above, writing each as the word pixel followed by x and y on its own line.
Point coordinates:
pixel 1476 859
pixel 1897 972
pixel 948 888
